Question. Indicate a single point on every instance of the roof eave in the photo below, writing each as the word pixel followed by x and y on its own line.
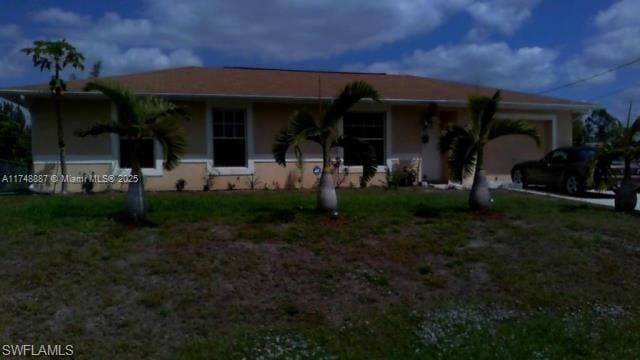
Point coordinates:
pixel 19 94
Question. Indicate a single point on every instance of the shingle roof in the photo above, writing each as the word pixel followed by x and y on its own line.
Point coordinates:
pixel 295 84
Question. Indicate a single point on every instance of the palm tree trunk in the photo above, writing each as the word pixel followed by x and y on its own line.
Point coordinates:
pixel 61 144
pixel 627 170
pixel 327 198
pixel 136 199
pixel 479 197
pixel 626 196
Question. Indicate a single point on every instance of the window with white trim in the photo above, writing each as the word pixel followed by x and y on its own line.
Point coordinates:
pixel 229 137
pixel 147 156
pixel 368 127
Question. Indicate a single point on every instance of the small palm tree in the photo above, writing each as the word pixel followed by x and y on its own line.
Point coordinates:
pixel 465 145
pixel 140 118
pixel 627 146
pixel 57 54
pixel 322 129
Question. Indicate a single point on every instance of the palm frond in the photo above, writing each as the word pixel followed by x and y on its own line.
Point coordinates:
pixel 362 153
pixel 157 108
pixel 635 127
pixel 448 136
pixel 504 127
pixel 171 136
pixel 301 127
pixel 350 95
pixel 483 110
pixel 280 147
pixel 128 106
pixel 461 147
pixel 100 128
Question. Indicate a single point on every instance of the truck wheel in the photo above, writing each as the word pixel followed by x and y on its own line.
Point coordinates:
pixel 573 185
pixel 518 178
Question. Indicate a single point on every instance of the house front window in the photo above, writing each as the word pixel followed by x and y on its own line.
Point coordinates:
pixel 229 138
pixel 146 155
pixel 368 127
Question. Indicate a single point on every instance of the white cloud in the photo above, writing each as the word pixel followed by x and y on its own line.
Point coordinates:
pixel 117 60
pixel 616 41
pixel 168 33
pixel 122 44
pixel 58 17
pixel 295 29
pixel 495 64
pixel 577 68
pixel 618 105
pixel 505 16
pixel 10 32
pixel 135 59
pixel 113 28
pixel 622 13
pixel 12 60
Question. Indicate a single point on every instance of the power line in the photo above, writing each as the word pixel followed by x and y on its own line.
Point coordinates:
pixel 592 76
pixel 605 95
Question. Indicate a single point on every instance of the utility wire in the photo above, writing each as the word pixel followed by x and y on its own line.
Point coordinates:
pixel 592 76
pixel 606 95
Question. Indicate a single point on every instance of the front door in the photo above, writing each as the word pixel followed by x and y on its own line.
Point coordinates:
pixel 431 158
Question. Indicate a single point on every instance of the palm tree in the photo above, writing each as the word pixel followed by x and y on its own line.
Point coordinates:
pixel 140 118
pixel 322 129
pixel 465 145
pixel 58 54
pixel 627 146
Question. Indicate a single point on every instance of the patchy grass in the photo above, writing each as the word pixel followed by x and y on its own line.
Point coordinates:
pixel 400 274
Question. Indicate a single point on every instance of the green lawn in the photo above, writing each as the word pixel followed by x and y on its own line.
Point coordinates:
pixel 400 274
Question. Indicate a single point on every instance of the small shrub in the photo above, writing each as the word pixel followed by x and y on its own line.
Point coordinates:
pixel 254 181
pixel 339 177
pixel 403 173
pixel 231 186
pixel 180 184
pixel 87 184
pixel 209 180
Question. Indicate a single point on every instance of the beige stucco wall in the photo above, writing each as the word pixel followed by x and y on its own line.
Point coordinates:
pixel 268 120
pixel 77 115
pixel 406 130
pixel 195 128
pixel 74 171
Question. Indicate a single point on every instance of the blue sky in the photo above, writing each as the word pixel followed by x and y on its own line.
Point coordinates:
pixel 527 45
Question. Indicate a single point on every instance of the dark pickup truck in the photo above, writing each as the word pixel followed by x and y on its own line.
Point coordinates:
pixel 570 169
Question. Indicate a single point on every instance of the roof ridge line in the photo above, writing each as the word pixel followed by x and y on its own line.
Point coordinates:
pixel 303 70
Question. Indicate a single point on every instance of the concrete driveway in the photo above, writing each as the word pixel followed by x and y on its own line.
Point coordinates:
pixel 598 198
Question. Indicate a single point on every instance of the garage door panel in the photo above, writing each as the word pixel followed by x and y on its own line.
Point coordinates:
pixel 501 154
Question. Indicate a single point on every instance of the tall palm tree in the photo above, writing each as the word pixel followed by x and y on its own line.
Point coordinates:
pixel 322 129
pixel 465 145
pixel 140 118
pixel 57 54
